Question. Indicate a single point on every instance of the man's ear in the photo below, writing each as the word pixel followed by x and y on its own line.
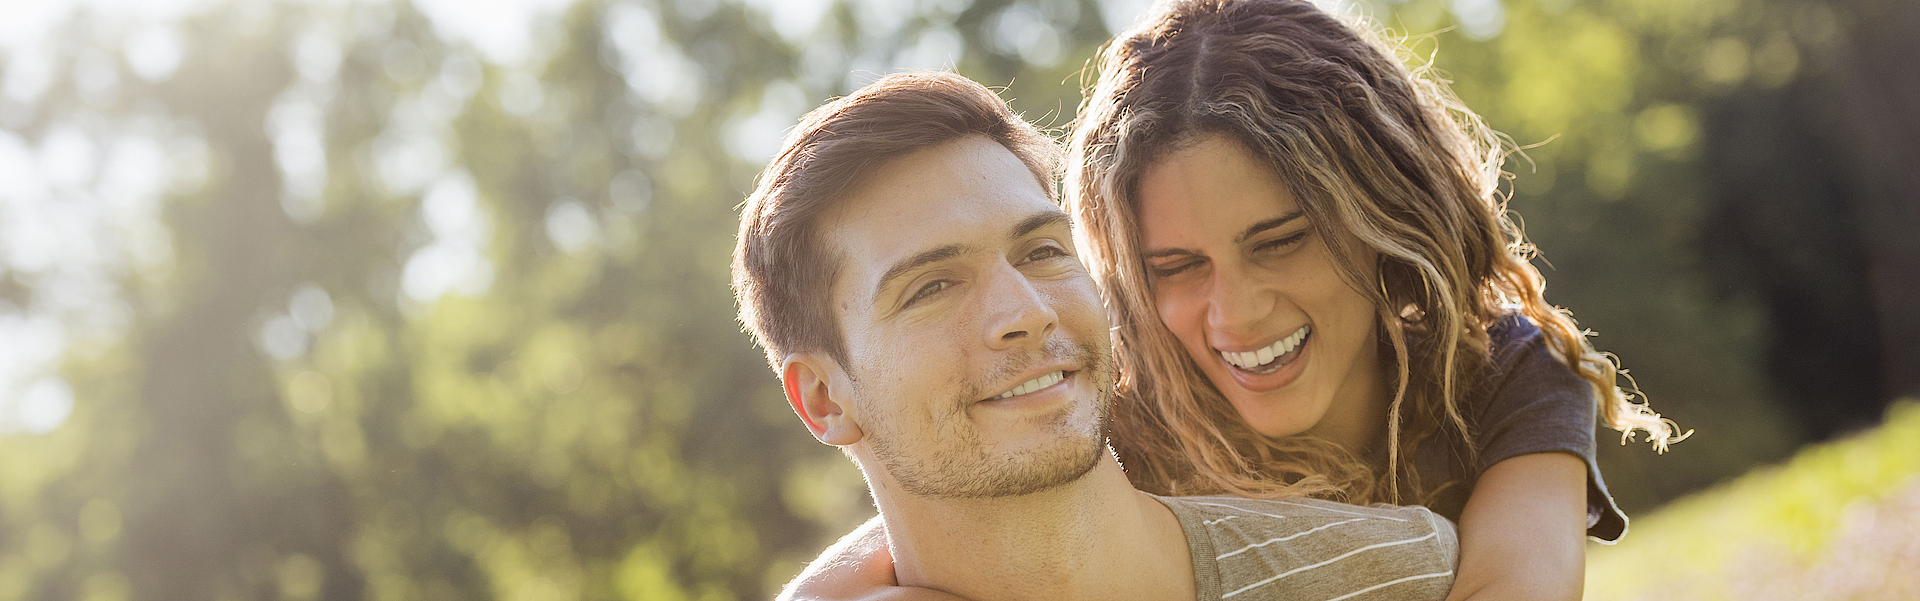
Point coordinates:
pixel 807 379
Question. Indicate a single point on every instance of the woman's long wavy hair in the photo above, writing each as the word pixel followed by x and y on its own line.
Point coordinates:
pixel 1376 153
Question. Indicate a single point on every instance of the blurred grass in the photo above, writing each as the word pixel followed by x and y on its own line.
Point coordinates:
pixel 1838 521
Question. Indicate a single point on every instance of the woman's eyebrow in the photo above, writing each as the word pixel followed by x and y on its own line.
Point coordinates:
pixel 1250 232
pixel 1266 225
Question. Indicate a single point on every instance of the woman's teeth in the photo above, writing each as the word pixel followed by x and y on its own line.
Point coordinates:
pixel 1034 384
pixel 1256 359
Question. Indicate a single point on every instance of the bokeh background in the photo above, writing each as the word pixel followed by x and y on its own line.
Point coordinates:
pixel 361 299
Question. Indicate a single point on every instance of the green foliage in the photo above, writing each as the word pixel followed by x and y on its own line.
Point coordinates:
pixel 486 349
pixel 1607 97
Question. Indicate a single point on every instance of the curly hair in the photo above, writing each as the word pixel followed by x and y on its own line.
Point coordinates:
pixel 1372 149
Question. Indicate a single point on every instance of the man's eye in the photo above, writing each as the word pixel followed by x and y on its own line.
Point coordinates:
pixel 930 289
pixel 1046 252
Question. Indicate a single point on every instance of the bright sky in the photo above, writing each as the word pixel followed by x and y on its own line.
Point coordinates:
pixel 500 29
pixel 78 204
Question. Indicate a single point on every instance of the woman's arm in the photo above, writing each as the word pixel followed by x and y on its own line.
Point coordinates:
pixel 858 568
pixel 1522 535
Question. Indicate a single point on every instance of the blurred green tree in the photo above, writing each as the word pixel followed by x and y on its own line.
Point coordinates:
pixel 357 309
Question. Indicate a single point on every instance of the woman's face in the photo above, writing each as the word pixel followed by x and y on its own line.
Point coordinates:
pixel 1255 297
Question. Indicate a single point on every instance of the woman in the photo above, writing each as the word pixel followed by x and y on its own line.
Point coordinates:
pixel 1315 290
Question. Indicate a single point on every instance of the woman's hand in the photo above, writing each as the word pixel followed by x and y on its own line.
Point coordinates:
pixel 858 568
pixel 1522 535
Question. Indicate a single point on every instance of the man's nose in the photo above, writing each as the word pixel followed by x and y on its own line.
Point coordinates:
pixel 1017 314
pixel 1237 302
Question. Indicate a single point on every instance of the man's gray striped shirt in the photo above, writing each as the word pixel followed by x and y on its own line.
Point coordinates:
pixel 1313 550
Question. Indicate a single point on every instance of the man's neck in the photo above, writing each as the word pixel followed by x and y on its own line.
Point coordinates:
pixel 1094 538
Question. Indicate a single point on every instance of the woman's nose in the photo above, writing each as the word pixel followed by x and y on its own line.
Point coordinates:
pixel 1237 303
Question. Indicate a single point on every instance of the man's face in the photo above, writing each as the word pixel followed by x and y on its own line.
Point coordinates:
pixel 979 358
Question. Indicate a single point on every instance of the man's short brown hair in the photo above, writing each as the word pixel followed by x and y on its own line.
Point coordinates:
pixel 782 273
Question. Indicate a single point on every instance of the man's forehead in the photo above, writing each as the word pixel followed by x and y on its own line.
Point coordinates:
pixel 966 192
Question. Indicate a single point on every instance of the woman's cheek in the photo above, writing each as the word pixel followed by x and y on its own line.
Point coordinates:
pixel 1187 322
pixel 1176 314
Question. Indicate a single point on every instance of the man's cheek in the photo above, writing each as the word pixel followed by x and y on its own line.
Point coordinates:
pixel 1083 308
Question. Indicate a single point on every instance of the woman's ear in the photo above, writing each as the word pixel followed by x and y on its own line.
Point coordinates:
pixel 806 378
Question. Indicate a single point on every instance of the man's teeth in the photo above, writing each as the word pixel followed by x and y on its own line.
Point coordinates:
pixel 1034 384
pixel 1256 358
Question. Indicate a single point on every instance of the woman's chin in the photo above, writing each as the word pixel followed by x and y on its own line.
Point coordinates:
pixel 1276 416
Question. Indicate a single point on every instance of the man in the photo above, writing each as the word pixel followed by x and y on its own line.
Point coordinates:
pixel 906 268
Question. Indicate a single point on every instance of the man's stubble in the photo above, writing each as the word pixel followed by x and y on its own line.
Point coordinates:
pixel 957 464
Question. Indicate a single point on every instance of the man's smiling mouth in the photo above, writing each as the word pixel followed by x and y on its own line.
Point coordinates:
pixel 1033 385
pixel 1272 357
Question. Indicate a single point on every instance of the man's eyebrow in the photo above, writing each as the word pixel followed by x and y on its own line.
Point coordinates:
pixel 942 253
pixel 1037 221
pixel 936 254
pixel 1266 225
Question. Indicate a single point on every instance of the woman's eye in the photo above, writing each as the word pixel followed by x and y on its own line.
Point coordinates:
pixel 930 289
pixel 1279 243
pixel 1173 269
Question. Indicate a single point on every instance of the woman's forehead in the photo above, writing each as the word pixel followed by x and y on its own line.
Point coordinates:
pixel 1213 190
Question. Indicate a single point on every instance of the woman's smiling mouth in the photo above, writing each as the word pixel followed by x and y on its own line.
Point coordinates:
pixel 1270 358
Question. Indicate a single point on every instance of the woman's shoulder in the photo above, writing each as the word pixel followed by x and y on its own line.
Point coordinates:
pixel 1522 370
pixel 1511 337
pixel 1528 383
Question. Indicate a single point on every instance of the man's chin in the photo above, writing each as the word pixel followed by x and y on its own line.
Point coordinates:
pixel 989 456
pixel 1065 468
pixel 984 476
